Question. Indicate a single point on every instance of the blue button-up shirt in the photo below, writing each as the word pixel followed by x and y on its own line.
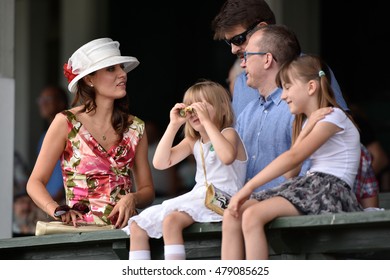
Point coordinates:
pixel 266 128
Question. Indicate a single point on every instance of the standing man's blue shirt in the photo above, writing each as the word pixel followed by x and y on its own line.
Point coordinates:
pixel 242 94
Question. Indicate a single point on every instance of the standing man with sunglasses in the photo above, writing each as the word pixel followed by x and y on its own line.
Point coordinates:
pixel 265 123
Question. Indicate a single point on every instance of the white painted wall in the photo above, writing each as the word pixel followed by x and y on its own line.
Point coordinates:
pixel 7 105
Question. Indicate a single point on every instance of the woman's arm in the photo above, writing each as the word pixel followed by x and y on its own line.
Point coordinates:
pixel 52 147
pixel 379 157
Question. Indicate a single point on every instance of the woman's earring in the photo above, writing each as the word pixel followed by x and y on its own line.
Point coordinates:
pixel 91 85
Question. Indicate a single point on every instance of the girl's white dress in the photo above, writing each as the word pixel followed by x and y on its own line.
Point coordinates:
pixel 229 178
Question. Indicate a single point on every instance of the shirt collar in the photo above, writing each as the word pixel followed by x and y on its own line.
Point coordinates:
pixel 274 97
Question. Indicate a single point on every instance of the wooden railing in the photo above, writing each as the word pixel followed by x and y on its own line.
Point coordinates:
pixel 362 235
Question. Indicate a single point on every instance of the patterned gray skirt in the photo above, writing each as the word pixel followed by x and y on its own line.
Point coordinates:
pixel 315 193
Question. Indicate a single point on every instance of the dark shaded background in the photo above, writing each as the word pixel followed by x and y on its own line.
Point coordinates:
pixel 175 47
pixel 355 43
pixel 174 44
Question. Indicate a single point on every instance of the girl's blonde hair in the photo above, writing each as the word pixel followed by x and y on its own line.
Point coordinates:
pixel 306 68
pixel 215 94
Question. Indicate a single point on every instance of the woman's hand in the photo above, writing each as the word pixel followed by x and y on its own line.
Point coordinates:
pixel 123 210
pixel 71 217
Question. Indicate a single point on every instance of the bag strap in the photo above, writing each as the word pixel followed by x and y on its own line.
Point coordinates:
pixel 203 164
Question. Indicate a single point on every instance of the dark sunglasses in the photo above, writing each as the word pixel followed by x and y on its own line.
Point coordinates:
pixel 62 209
pixel 240 39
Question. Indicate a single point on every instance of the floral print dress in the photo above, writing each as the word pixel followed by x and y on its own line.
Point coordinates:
pixel 93 176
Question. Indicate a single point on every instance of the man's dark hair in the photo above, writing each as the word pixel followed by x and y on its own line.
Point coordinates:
pixel 241 12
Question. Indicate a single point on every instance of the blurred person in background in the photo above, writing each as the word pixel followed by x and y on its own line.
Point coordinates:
pixel 24 210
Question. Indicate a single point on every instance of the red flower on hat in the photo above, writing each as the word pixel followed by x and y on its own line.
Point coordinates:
pixel 68 73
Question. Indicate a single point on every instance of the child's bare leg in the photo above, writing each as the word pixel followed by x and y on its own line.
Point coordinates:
pixel 139 243
pixel 173 226
pixel 256 217
pixel 232 247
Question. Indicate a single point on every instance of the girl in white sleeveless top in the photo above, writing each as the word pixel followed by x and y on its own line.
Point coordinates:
pixel 209 121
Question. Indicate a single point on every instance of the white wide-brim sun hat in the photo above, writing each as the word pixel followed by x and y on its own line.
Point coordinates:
pixel 95 55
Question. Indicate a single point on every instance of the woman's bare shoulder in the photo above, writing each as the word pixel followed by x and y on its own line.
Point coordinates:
pixel 76 110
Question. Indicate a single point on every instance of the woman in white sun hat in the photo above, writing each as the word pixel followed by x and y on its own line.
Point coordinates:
pixel 102 148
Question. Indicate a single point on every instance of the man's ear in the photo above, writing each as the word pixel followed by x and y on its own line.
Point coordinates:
pixel 269 61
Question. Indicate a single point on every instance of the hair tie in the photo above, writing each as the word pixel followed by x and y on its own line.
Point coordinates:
pixel 321 73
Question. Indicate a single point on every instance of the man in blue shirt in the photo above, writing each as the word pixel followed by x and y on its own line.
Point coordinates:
pixel 265 123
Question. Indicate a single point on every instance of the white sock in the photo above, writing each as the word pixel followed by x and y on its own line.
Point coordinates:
pixel 174 252
pixel 139 255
